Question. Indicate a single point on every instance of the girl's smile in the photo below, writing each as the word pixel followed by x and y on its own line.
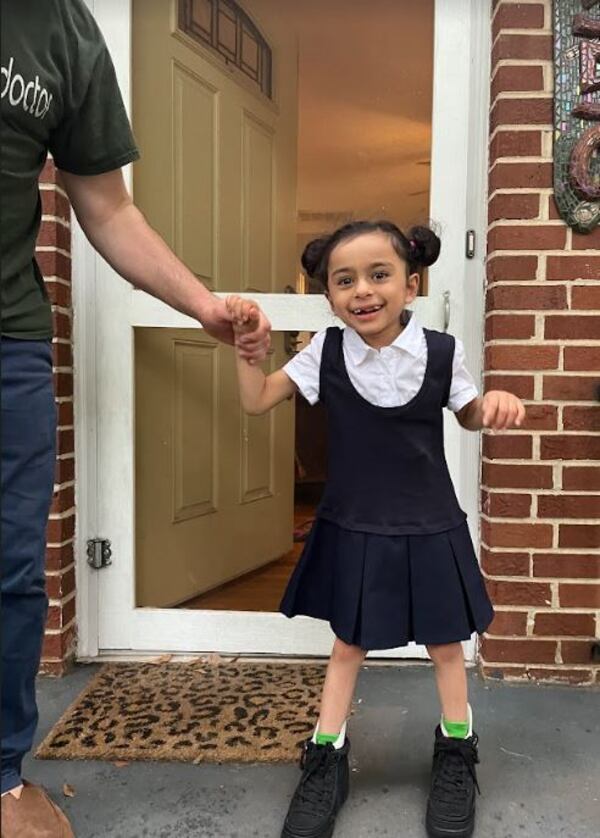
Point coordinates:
pixel 369 287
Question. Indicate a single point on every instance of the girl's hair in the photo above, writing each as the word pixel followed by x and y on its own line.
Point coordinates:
pixel 419 247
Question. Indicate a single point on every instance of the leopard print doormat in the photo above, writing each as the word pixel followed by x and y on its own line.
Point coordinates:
pixel 190 712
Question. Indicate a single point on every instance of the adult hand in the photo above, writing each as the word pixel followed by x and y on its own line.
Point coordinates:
pixel 253 339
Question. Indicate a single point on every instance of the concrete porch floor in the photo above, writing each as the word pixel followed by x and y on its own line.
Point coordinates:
pixel 539 772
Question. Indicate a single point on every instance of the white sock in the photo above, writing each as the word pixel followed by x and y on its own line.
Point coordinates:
pixel 339 742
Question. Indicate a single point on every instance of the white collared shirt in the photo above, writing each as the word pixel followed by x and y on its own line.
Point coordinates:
pixel 388 377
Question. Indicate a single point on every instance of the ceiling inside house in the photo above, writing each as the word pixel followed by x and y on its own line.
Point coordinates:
pixel 366 73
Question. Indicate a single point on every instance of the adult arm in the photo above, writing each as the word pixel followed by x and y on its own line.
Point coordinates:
pixel 119 232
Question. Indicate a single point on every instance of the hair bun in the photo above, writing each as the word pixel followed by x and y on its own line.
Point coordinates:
pixel 425 245
pixel 313 255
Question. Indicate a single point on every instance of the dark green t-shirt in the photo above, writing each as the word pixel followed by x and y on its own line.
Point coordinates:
pixel 58 93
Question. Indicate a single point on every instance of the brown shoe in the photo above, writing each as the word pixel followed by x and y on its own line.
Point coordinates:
pixel 34 815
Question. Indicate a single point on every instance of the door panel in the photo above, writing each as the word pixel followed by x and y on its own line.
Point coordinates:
pixel 218 172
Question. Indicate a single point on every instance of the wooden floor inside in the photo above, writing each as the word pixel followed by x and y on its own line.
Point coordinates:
pixel 260 590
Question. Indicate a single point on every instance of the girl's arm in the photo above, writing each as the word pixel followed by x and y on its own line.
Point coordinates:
pixel 498 410
pixel 258 392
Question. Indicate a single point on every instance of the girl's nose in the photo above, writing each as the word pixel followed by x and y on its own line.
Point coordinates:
pixel 363 288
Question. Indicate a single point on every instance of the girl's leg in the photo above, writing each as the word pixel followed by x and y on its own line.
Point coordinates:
pixel 451 678
pixel 340 681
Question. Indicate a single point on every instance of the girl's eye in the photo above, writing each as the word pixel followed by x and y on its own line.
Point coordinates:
pixel 380 275
pixel 345 280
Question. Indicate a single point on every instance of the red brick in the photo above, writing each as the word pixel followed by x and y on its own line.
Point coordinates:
pixel 553 213
pixel 529 47
pixel 507 326
pixel 582 358
pixel 586 241
pixel 507 446
pixel 66 441
pixel 53 233
pixel 519 651
pixel 60 529
pixel 519 297
pixel 520 385
pixel 55 203
pixel 507 623
pixel 514 143
pixel 517 476
pixel 513 206
pixel 65 414
pixel 512 268
pixel 563 565
pixel 503 534
pixel 61 324
pixel 526 79
pixel 562 268
pixel 527 237
pixel 576 447
pixel 504 564
pixel 585 299
pixel 60 616
pixel 569 506
pixel 63 384
pixel 58 558
pixel 62 354
pixel 61 585
pixel 55 668
pixel 522 112
pixel 581 418
pixel 571 388
pixel 577 651
pixel 502 505
pixel 518 16
pixel 519 593
pixel 503 357
pixel 581 478
pixel 540 417
pixel 52 263
pixel 564 625
pixel 520 176
pixel 58 646
pixel 575 327
pixel 65 470
pixel 59 294
pixel 580 535
pixel 63 500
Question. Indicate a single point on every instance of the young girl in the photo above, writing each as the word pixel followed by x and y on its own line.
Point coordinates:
pixel 389 559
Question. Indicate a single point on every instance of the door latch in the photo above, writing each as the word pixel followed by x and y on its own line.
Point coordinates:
pixel 99 553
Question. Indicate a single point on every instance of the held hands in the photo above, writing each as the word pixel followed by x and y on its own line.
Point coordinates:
pixel 502 410
pixel 247 319
pixel 238 321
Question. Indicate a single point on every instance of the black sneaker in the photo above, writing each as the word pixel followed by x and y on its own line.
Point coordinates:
pixel 451 805
pixel 322 790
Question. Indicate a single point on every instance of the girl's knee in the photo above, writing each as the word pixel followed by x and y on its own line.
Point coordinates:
pixel 345 653
pixel 446 653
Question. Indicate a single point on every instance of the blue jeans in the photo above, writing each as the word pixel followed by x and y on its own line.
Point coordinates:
pixel 28 436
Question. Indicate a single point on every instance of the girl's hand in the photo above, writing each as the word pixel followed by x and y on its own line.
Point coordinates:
pixel 502 410
pixel 248 322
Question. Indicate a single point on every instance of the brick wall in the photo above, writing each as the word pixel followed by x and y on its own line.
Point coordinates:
pixel 541 484
pixel 53 255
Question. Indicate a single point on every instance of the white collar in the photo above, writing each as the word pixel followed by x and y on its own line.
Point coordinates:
pixel 409 340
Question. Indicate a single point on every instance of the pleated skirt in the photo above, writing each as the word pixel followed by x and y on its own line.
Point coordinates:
pixel 384 591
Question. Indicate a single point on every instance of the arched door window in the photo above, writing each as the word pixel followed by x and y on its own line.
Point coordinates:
pixel 226 29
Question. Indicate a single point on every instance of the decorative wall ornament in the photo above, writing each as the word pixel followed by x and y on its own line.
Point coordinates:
pixel 224 27
pixel 577 112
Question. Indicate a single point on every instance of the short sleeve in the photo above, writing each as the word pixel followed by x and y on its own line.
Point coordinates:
pixel 94 134
pixel 462 389
pixel 305 368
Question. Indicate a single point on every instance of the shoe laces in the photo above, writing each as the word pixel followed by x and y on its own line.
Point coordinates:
pixel 455 761
pixel 318 778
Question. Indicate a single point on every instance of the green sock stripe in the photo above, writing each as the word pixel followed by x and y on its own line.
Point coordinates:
pixel 327 738
pixel 457 730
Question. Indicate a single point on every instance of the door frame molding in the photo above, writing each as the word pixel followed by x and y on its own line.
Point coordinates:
pixel 89 273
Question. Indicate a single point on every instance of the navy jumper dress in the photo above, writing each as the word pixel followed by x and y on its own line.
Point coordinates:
pixel 389 558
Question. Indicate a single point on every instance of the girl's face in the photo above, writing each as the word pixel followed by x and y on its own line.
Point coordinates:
pixel 369 287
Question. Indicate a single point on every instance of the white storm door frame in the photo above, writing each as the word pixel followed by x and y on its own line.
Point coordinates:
pixel 107 310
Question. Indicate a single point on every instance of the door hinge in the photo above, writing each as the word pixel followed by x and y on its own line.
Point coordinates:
pixel 99 553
